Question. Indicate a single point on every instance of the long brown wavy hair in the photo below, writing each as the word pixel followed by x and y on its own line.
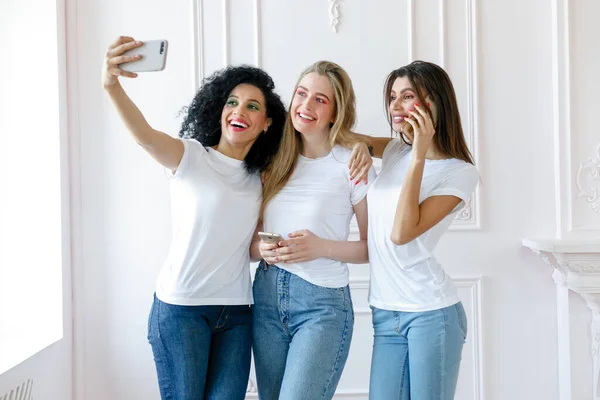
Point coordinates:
pixel 429 79
pixel 282 166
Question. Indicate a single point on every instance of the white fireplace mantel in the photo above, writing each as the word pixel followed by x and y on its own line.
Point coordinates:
pixel 576 265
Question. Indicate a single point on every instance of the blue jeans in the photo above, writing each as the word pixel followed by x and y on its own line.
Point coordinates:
pixel 416 355
pixel 302 335
pixel 201 352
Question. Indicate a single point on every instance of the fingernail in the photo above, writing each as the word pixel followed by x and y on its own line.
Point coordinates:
pixel 417 105
pixel 356 183
pixel 428 104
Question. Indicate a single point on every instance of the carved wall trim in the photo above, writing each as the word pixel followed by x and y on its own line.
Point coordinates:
pixel 590 190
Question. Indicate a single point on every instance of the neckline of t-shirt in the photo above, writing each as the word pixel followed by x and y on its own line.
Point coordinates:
pixel 222 157
pixel 326 156
pixel 439 161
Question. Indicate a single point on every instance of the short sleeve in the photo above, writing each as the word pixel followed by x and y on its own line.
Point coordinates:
pixel 460 183
pixel 358 192
pixel 192 152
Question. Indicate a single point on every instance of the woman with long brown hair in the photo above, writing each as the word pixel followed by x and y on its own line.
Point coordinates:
pixel 303 316
pixel 427 176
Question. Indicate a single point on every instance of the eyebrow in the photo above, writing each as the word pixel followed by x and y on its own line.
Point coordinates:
pixel 256 101
pixel 318 93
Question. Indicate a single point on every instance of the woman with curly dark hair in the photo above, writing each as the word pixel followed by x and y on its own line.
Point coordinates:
pixel 200 325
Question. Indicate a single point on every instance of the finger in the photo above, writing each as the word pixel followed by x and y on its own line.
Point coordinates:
pixel 289 242
pixel 417 116
pixel 119 72
pixel 270 260
pixel 353 157
pixel 360 161
pixel 297 233
pixel 421 110
pixel 117 51
pixel 120 40
pixel 290 257
pixel 412 122
pixel 284 250
pixel 268 254
pixel 123 59
pixel 364 175
pixel 267 246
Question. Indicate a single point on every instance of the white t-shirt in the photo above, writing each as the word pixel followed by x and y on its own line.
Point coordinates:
pixel 214 205
pixel 408 277
pixel 319 196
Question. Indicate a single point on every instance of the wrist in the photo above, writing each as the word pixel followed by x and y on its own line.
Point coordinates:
pixel 324 248
pixel 418 158
pixel 112 87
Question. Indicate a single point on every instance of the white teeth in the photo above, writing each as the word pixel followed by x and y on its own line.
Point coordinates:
pixel 238 124
pixel 304 116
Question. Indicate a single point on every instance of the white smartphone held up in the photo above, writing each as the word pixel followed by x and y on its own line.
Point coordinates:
pixel 154 57
pixel 270 237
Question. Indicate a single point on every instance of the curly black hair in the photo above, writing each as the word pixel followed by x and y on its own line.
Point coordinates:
pixel 203 116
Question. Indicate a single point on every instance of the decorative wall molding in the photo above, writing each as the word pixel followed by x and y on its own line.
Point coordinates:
pixel 334 14
pixel 226 34
pixel 257 34
pixel 410 29
pixel 469 217
pixel 442 31
pixel 591 168
pixel 576 267
pixel 198 43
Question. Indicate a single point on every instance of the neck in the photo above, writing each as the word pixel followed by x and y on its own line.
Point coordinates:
pixel 315 145
pixel 433 153
pixel 232 151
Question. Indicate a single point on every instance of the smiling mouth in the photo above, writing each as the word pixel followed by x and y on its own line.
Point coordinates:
pixel 305 117
pixel 238 124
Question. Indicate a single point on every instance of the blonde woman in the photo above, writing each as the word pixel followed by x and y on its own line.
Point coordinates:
pixel 303 316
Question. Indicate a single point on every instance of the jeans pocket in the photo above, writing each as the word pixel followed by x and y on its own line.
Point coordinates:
pixel 461 316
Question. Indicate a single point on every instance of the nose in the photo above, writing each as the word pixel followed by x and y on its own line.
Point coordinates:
pixel 238 111
pixel 308 101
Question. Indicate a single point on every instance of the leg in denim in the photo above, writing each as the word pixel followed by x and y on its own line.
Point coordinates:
pixel 430 341
pixel 271 337
pixel 230 355
pixel 389 365
pixel 191 343
pixel 302 336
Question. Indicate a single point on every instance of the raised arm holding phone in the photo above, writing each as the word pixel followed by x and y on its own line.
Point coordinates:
pixel 200 323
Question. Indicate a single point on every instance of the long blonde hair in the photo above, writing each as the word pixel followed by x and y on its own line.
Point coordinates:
pixel 282 166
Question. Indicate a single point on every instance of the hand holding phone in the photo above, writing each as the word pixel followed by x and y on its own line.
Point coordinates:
pixel 152 56
pixel 273 238
pixel 126 56
pixel 268 246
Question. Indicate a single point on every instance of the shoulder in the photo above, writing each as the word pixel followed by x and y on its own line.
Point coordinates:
pixel 461 171
pixel 396 147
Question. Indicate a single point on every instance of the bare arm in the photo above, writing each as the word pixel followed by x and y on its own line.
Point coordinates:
pixel 355 252
pixel 411 219
pixel 306 246
pixel 165 149
pixel 378 144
